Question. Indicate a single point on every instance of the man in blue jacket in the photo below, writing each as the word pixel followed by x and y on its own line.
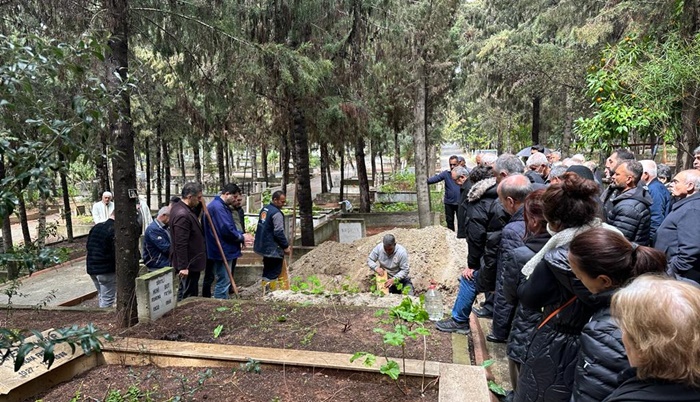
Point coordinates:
pixel 452 191
pixel 270 240
pixel 229 234
pixel 659 194
pixel 156 242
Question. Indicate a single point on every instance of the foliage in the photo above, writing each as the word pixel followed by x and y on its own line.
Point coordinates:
pixel 312 285
pixel 251 366
pixel 393 207
pixel 17 346
pixel 408 320
pixel 217 331
pixel 400 181
pixel 493 386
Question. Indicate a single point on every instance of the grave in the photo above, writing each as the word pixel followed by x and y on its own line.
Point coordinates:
pixel 350 230
pixel 34 374
pixel 155 294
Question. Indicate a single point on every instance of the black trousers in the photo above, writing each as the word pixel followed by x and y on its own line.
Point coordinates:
pixel 272 268
pixel 450 214
pixel 189 286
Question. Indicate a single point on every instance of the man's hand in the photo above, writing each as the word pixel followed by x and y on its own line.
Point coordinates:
pixel 389 283
pixel 183 273
pixel 379 271
pixel 468 273
pixel 288 250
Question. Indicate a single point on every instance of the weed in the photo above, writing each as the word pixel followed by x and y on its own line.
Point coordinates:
pixel 312 285
pixel 188 390
pixel 493 385
pixel 308 337
pixel 217 330
pixel 251 366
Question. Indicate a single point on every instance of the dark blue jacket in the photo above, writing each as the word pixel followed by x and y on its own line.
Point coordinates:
pixel 660 207
pixel 270 240
pixel 156 246
pixel 452 189
pixel 634 389
pixel 100 249
pixel 679 237
pixel 631 214
pixel 229 237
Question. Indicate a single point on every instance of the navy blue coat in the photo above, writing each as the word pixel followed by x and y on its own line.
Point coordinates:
pixel 660 206
pixel 100 249
pixel 634 389
pixel 451 187
pixel 631 214
pixel 229 236
pixel 156 246
pixel 679 237
pixel 270 240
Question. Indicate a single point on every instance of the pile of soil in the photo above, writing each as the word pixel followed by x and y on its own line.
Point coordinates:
pixel 434 253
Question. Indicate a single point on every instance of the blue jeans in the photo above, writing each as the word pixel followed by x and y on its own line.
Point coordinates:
pixel 465 298
pixel 106 285
pixel 222 280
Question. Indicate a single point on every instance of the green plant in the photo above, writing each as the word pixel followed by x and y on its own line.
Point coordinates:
pixel 310 285
pixel 308 337
pixel 188 390
pixel 408 320
pixel 217 331
pixel 399 181
pixel 393 207
pixel 251 366
pixel 493 386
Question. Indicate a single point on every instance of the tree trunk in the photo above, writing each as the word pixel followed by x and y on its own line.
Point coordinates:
pixel 159 168
pixel 303 176
pixel 688 141
pixel 103 167
pixel 362 173
pixel 324 167
pixel 197 160
pixel 126 227
pixel 41 223
pixel 263 160
pixel 536 103
pixel 381 166
pixel 568 123
pixel 342 173
pixel 166 171
pixel 254 163
pixel 181 162
pixel 220 160
pixel 66 201
pixel 419 142
pixel 397 151
pixel 7 245
pixel 22 209
pixel 373 158
pixel 148 173
pixel 285 161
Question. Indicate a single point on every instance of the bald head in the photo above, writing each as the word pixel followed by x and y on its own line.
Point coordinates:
pixel 685 183
pixel 512 191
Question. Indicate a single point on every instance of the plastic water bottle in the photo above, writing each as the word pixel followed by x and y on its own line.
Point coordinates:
pixel 433 303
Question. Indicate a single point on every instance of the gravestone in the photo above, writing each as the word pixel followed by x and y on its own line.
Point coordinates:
pixel 34 374
pixel 155 294
pixel 350 230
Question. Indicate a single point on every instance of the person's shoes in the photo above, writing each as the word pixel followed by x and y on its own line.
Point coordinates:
pixel 493 339
pixel 450 325
pixel 482 312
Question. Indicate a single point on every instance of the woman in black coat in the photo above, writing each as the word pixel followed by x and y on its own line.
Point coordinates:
pixel 662 347
pixel 547 374
pixel 525 320
pixel 604 261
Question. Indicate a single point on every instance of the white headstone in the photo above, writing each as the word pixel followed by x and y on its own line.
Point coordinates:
pixel 350 230
pixel 155 294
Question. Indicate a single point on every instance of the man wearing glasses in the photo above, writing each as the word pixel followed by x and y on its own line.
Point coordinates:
pixel 451 199
pixel 679 233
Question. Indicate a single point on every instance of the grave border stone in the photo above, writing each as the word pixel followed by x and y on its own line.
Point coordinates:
pixel 155 294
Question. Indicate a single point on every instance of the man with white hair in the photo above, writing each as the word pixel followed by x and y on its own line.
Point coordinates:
pixel 102 209
pixel 156 242
pixel 537 168
pixel 391 258
pixel 696 158
pixel 679 234
pixel 659 194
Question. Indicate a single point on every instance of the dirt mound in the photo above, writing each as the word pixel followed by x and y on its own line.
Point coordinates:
pixel 434 253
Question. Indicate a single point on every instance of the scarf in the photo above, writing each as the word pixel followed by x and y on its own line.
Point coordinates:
pixel 562 238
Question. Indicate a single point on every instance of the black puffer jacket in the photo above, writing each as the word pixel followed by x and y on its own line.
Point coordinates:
pixel 548 371
pixel 512 237
pixel 602 356
pixel 462 209
pixel 481 197
pixel 526 320
pixel 498 218
pixel 631 214
pixel 651 390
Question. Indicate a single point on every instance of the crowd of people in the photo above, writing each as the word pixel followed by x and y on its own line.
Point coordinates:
pixel 191 238
pixel 594 291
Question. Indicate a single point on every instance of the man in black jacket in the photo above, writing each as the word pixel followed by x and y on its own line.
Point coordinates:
pixel 460 175
pixel 631 211
pixel 100 262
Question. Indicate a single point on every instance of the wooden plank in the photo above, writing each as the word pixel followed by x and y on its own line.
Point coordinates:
pixel 380 281
pixel 171 353
pixel 459 382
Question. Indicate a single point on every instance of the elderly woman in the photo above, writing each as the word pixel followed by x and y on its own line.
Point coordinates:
pixel 660 322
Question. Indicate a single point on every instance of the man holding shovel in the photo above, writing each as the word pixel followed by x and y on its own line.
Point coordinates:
pixel 230 237
pixel 390 260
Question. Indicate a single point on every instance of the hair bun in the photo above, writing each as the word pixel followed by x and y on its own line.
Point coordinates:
pixel 578 186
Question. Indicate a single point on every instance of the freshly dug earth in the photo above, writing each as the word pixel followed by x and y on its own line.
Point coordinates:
pixel 289 384
pixel 434 252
